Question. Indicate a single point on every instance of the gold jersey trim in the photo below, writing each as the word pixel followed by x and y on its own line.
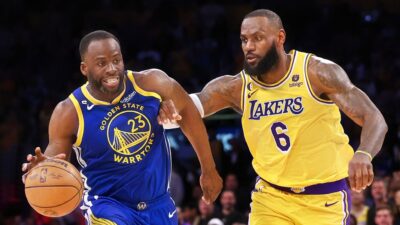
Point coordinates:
pixel 100 221
pixel 283 79
pixel 244 83
pixel 140 90
pixel 81 124
pixel 309 88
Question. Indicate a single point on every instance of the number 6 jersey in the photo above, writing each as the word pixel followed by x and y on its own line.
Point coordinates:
pixel 121 148
pixel 295 137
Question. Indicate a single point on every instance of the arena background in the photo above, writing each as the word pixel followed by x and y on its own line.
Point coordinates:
pixel 193 41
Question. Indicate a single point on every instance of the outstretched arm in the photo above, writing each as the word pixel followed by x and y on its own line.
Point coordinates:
pixel 331 80
pixel 62 129
pixel 191 125
pixel 220 93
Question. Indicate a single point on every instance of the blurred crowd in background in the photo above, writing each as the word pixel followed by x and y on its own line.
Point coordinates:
pixel 193 41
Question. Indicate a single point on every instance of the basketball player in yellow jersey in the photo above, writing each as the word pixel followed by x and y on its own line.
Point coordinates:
pixel 291 121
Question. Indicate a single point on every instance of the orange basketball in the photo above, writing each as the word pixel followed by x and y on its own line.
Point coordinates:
pixel 54 187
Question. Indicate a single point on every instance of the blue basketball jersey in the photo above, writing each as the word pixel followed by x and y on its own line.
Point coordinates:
pixel 120 146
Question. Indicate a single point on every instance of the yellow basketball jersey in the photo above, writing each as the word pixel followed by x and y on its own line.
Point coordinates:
pixel 295 137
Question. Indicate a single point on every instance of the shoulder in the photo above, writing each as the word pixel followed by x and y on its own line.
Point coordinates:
pixel 64 120
pixel 65 110
pixel 318 65
pixel 155 76
pixel 326 74
pixel 154 80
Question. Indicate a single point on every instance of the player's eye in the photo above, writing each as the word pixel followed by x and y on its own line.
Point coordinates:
pixel 116 61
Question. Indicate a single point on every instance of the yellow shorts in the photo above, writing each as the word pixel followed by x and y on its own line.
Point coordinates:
pixel 271 206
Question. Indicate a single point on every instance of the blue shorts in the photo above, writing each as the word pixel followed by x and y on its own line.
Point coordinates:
pixel 108 211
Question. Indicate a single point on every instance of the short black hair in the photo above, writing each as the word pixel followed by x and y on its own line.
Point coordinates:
pixel 94 36
pixel 270 15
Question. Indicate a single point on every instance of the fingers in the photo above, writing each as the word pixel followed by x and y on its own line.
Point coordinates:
pixel 370 175
pixel 61 156
pixel 24 177
pixel 172 109
pixel 358 179
pixel 39 154
pixel 365 177
pixel 360 176
pixel 162 116
pixel 168 113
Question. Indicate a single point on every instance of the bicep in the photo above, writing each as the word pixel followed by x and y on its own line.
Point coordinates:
pixel 333 81
pixel 63 127
pixel 354 103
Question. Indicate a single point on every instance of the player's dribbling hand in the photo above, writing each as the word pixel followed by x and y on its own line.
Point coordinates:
pixel 361 173
pixel 211 184
pixel 168 113
pixel 33 160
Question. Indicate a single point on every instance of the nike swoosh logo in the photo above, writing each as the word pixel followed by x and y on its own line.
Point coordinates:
pixel 170 215
pixel 250 94
pixel 89 107
pixel 331 204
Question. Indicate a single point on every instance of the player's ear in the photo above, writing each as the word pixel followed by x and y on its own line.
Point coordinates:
pixel 84 70
pixel 281 37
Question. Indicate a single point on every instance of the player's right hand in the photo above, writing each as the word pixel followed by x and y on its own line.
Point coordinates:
pixel 33 160
pixel 168 113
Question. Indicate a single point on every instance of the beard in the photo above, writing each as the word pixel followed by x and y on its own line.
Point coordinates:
pixel 266 63
pixel 98 85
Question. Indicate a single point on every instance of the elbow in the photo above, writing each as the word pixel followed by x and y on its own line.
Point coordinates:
pixel 382 123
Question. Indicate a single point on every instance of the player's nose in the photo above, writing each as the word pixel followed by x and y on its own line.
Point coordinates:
pixel 111 68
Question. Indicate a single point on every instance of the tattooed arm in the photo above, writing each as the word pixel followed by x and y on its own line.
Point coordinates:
pixel 220 93
pixel 330 81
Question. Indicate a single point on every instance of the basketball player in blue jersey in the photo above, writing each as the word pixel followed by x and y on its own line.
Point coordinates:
pixel 111 123
pixel 291 122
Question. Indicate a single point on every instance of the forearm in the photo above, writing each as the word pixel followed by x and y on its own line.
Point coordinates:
pixel 373 133
pixel 194 129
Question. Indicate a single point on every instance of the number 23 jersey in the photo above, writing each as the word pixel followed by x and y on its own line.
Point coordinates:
pixel 121 148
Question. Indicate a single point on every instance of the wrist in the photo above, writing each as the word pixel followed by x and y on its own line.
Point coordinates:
pixel 359 151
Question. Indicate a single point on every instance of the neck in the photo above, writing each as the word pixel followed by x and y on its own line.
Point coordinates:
pixel 278 71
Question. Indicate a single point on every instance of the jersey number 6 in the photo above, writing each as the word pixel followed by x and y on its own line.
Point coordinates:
pixel 282 141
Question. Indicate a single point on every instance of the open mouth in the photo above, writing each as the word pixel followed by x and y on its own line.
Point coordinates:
pixel 111 82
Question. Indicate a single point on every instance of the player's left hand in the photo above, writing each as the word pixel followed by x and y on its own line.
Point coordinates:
pixel 168 113
pixel 361 173
pixel 211 184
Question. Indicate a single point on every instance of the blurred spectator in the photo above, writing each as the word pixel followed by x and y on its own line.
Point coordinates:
pixel 207 212
pixel 383 215
pixel 231 183
pixel 229 215
pixel 379 197
pixel 358 207
pixel 396 207
pixel 188 214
